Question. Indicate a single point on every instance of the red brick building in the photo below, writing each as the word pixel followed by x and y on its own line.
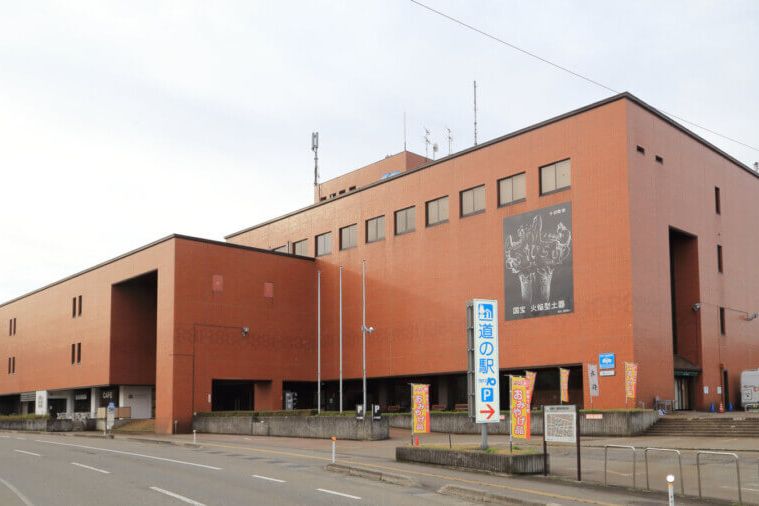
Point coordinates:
pixel 610 229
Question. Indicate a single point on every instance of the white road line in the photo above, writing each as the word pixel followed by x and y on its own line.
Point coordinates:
pixel 736 488
pixel 130 453
pixel 618 473
pixel 21 496
pixel 267 478
pixel 338 493
pixel 5 437
pixel 177 496
pixel 20 438
pixel 90 468
pixel 28 453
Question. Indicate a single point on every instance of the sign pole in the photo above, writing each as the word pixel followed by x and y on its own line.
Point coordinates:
pixel 484 443
pixel 319 341
pixel 341 340
pixel 545 445
pixel 577 428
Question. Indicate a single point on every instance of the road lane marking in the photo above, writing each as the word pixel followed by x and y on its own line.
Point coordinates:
pixel 142 455
pixel 533 491
pixel 16 491
pixel 28 453
pixel 326 491
pixel 177 496
pixel 618 473
pixel 736 488
pixel 267 478
pixel 90 468
pixel 20 438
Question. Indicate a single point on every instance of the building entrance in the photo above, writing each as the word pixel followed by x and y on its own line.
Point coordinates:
pixel 682 393
pixel 231 395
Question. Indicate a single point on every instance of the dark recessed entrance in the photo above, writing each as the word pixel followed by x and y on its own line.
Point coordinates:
pixel 231 395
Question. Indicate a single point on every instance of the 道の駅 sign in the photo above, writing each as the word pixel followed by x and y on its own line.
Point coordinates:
pixel 484 368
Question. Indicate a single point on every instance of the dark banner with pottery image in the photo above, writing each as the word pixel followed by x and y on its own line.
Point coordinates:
pixel 538 263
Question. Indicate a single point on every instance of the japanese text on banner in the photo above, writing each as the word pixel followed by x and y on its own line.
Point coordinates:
pixel 520 409
pixel 564 384
pixel 420 408
pixel 631 380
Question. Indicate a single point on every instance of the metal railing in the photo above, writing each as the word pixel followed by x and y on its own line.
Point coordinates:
pixel 737 470
pixel 679 465
pixel 606 454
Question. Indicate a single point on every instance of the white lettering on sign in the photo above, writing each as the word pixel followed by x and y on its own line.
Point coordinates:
pixel 487 394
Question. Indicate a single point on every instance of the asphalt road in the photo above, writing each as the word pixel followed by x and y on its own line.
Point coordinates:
pixel 52 470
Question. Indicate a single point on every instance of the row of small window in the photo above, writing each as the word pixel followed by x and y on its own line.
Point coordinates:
pixel 512 189
pixel 76 353
pixel 12 327
pixel 76 306
pixel 11 365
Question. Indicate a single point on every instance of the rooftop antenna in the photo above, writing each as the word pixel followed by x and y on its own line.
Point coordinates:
pixel 756 166
pixel 475 113
pixel 450 139
pixel 404 130
pixel 315 149
pixel 434 150
pixel 427 142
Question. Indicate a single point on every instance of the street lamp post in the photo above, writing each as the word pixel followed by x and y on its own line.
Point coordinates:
pixel 364 328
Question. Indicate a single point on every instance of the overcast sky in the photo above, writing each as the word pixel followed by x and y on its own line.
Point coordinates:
pixel 123 122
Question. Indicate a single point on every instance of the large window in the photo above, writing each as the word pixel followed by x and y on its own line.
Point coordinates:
pixel 555 176
pixel 473 201
pixel 437 211
pixel 405 220
pixel 512 189
pixel 301 248
pixel 324 244
pixel 349 236
pixel 375 229
pixel 281 249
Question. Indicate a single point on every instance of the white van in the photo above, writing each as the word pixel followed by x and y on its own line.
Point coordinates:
pixel 750 389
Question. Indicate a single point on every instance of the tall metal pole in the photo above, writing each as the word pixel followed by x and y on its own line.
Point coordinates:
pixel 475 113
pixel 318 341
pixel 363 325
pixel 341 339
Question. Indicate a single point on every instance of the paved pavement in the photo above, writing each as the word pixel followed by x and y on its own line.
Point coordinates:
pixel 220 469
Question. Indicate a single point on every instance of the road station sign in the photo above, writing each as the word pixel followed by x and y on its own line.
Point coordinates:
pixel 607 361
pixel 482 320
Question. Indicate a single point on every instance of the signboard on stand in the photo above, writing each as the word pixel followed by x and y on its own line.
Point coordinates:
pixel 483 374
pixel 561 424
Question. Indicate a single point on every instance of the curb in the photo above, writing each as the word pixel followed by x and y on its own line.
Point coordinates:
pixel 471 494
pixel 362 472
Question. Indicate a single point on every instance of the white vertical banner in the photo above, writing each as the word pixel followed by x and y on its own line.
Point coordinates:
pixel 593 379
pixel 487 394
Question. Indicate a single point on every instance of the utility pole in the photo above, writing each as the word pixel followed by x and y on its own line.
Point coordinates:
pixel 475 113
pixel 318 341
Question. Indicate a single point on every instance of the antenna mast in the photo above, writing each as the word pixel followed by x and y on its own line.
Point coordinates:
pixel 450 139
pixel 404 130
pixel 427 143
pixel 475 113
pixel 315 149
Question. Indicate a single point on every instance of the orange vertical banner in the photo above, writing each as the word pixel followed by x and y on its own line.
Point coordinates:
pixel 531 376
pixel 564 384
pixel 420 408
pixel 631 380
pixel 520 409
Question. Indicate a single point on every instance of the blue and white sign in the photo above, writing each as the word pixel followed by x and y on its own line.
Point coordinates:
pixel 487 398
pixel 606 361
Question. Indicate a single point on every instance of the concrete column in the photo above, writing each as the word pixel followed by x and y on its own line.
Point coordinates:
pixel 267 395
pixel 94 401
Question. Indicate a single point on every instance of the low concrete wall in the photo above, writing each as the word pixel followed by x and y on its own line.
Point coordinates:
pixel 322 427
pixel 612 423
pixel 43 425
pixel 490 462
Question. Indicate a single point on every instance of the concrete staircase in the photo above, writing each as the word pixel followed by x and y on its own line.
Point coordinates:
pixel 706 426
pixel 134 426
